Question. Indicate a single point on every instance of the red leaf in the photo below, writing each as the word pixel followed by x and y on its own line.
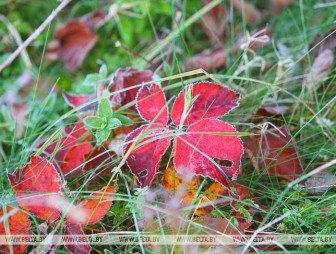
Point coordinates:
pixel 145 159
pixel 94 209
pixel 70 155
pixel 81 247
pixel 34 185
pixel 73 42
pixel 211 100
pixel 74 159
pixel 125 79
pixel 152 104
pixel 75 101
pixel 79 132
pixel 269 155
pixel 213 146
pixel 101 161
pixel 19 224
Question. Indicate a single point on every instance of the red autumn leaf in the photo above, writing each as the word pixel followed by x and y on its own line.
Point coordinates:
pixel 274 152
pixel 211 100
pixel 75 101
pixel 19 224
pixel 145 159
pixel 204 142
pixel 209 60
pixel 36 185
pixel 152 104
pixel 74 159
pixel 81 247
pixel 93 209
pixel 101 161
pixel 79 132
pixel 74 41
pixel 70 155
pixel 125 79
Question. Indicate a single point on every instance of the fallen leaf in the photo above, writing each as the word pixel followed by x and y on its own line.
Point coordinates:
pixel 35 186
pixel 205 141
pixel 145 159
pixel 75 101
pixel 274 152
pixel 94 208
pixel 320 182
pixel 73 42
pixel 185 185
pixel 210 101
pixel 70 155
pixel 79 132
pixel 125 79
pixel 323 41
pixel 321 66
pixel 82 246
pixel 101 161
pixel 18 224
pixel 209 60
pixel 211 194
pixel 152 104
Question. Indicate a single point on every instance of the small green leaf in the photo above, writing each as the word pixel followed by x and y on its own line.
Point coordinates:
pixel 94 122
pixel 114 123
pixel 123 119
pixel 102 136
pixel 105 108
pixel 245 212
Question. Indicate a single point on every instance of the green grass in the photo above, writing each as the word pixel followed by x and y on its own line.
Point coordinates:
pixel 148 31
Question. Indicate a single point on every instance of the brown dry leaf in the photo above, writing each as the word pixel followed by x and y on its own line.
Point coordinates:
pixel 320 182
pixel 214 22
pixel 252 14
pixel 322 42
pixel 321 66
pixel 185 186
pixel 74 41
pixel 209 60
